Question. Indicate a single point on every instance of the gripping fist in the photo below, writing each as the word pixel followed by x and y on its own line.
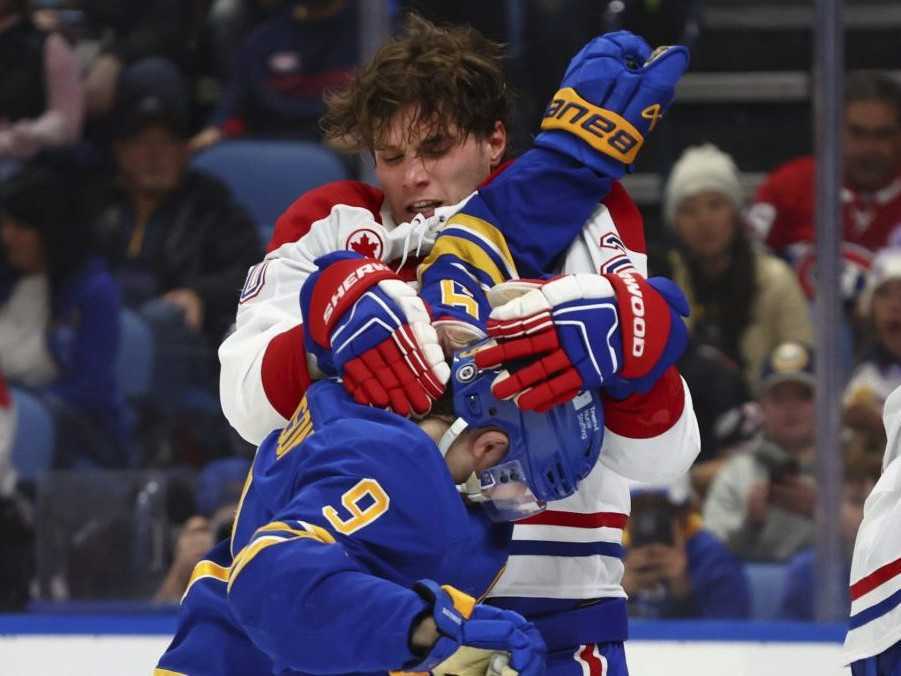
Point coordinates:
pixel 613 94
pixel 363 323
pixel 467 630
pixel 583 331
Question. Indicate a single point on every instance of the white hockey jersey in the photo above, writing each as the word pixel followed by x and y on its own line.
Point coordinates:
pixel 875 622
pixel 573 551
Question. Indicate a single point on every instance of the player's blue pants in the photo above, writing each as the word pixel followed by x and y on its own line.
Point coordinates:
pixel 886 663
pixel 594 659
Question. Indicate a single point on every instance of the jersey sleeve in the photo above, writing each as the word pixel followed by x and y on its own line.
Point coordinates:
pixel 516 225
pixel 264 368
pixel 319 587
pixel 313 608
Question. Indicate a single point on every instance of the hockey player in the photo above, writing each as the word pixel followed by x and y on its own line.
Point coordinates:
pixel 873 644
pixel 567 565
pixel 349 507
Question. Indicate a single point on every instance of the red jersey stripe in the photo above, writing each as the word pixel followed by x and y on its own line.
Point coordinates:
pixel 876 578
pixel 576 520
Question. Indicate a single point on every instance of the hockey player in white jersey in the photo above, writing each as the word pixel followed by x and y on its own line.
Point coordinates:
pixel 569 561
pixel 873 644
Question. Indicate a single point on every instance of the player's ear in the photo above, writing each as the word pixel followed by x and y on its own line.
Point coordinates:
pixel 488 448
pixel 496 143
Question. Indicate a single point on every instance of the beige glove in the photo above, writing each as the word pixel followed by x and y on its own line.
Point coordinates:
pixel 476 662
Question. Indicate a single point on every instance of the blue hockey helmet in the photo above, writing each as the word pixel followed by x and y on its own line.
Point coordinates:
pixel 549 453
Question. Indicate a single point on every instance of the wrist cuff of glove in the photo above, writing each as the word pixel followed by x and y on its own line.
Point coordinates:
pixel 600 138
pixel 337 289
pixel 449 608
pixel 644 322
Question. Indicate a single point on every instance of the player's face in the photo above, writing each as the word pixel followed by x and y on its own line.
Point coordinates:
pixel 152 161
pixel 886 310
pixel 421 169
pixel 788 414
pixel 706 223
pixel 472 451
pixel 24 247
pixel 872 144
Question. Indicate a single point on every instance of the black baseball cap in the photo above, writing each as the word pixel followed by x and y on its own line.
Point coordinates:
pixel 149 92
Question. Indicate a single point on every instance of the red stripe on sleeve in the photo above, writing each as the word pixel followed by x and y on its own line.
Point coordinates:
pixel 643 416
pixel 284 371
pixel 876 578
pixel 576 520
pixel 626 217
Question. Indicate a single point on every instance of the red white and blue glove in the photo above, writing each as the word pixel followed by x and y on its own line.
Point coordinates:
pixel 363 323
pixel 619 332
pixel 462 624
pixel 613 94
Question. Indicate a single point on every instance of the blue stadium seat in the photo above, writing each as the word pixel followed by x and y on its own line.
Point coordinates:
pixel 35 437
pixel 767 584
pixel 267 176
pixel 134 366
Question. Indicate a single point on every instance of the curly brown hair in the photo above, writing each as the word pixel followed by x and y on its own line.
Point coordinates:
pixel 451 76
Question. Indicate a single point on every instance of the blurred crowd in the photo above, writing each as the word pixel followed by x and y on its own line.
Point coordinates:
pixel 122 262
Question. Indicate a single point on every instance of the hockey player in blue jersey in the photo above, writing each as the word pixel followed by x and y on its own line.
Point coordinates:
pixel 353 552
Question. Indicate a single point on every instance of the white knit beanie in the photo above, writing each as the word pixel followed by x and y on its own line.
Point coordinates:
pixel 700 169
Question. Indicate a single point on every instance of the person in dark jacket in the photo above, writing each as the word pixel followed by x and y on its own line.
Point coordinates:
pixel 176 240
pixel 62 281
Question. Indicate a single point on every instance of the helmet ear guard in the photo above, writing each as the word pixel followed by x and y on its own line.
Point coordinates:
pixel 549 453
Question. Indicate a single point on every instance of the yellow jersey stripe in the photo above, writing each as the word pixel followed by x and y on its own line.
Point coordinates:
pixel 165 672
pixel 244 491
pixel 463 249
pixel 250 551
pixel 493 238
pixel 205 569
pixel 309 531
pixel 246 555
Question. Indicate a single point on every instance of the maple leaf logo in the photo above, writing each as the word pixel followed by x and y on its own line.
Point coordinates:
pixel 364 244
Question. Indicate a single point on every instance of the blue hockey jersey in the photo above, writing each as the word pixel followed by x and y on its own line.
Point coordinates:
pixel 343 510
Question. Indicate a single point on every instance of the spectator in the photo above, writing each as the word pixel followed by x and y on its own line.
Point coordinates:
pixel 761 503
pixel 59 326
pixel 879 372
pixel 179 244
pixel 217 496
pixel 40 91
pixel 136 31
pixel 783 213
pixel 861 472
pixel 676 568
pixel 743 301
pixel 282 70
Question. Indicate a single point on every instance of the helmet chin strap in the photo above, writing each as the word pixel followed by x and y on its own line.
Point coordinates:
pixel 472 487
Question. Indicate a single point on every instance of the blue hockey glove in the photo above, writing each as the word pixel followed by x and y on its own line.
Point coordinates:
pixel 362 322
pixel 583 331
pixel 613 94
pixel 462 624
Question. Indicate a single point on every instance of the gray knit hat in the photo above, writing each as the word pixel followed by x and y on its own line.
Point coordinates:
pixel 700 169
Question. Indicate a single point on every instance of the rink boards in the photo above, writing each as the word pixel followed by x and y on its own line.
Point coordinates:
pixel 128 645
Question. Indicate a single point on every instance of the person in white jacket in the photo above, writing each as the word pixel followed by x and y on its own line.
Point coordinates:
pixel 873 643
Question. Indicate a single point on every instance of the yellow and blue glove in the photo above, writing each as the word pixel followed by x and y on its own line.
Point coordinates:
pixel 613 94
pixel 463 624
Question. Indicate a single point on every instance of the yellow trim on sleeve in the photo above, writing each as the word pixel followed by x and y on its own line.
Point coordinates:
pixel 463 249
pixel 159 671
pixel 463 602
pixel 492 236
pixel 309 531
pixel 205 569
pixel 244 491
pixel 604 130
pixel 250 551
